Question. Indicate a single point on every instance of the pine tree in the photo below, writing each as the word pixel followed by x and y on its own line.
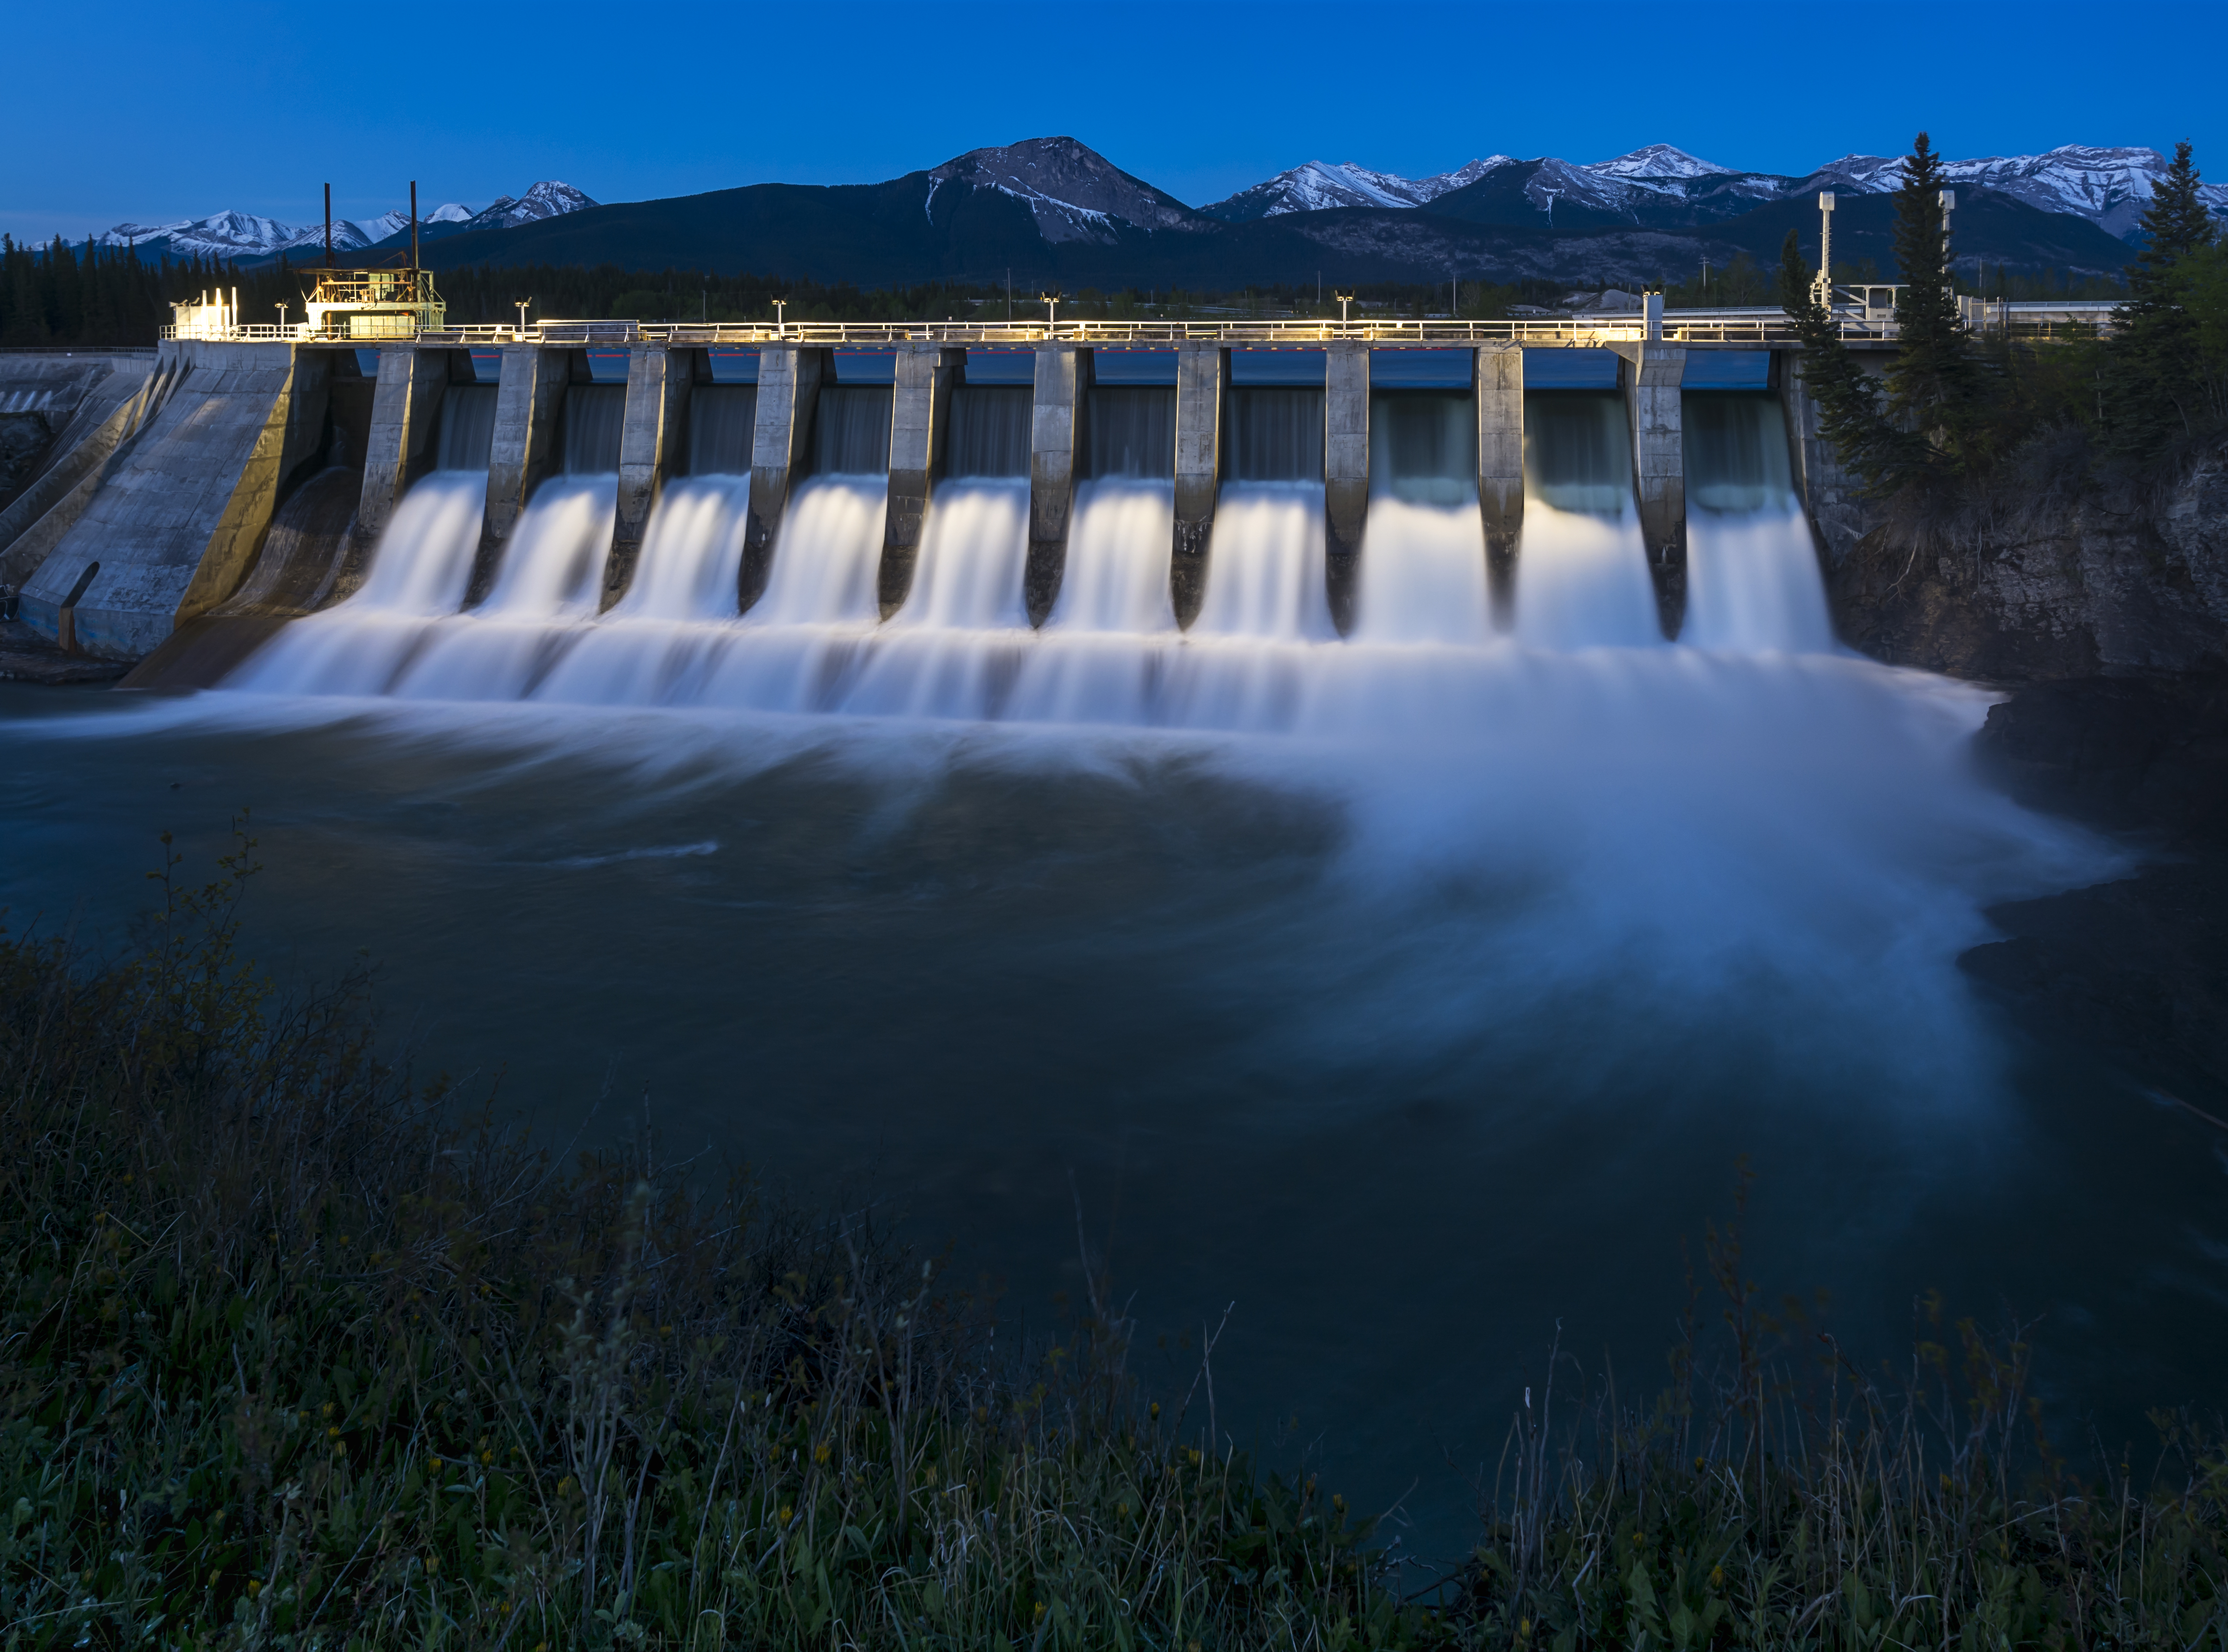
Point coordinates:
pixel 2154 388
pixel 1933 384
pixel 1848 405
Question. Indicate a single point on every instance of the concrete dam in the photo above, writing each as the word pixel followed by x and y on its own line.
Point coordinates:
pixel 1127 529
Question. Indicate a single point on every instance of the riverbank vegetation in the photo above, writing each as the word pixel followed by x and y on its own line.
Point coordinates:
pixel 300 1352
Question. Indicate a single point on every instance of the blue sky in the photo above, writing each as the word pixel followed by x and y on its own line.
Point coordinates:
pixel 132 110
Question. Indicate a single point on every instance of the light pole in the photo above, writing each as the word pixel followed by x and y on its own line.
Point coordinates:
pixel 521 304
pixel 281 308
pixel 1051 301
pixel 780 322
pixel 1344 299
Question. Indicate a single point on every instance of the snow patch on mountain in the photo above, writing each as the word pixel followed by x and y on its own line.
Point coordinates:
pixel 232 235
pixel 1319 185
pixel 1658 161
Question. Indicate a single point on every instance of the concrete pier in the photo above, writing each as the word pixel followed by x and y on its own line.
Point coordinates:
pixel 1202 373
pixel 921 409
pixel 529 399
pixel 1055 424
pixel 405 402
pixel 111 411
pixel 1501 470
pixel 179 513
pixel 1345 477
pixel 789 390
pixel 1653 402
pixel 653 435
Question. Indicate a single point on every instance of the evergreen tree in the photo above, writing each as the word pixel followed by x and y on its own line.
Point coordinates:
pixel 2154 390
pixel 1847 399
pixel 1933 384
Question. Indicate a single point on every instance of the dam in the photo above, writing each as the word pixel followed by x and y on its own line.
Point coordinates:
pixel 1125 522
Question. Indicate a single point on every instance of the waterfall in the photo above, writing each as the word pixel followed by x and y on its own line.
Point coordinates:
pixel 989 432
pixel 972 550
pixel 548 587
pixel 1265 562
pixel 1130 431
pixel 467 427
pixel 827 555
pixel 851 430
pixel 1274 435
pixel 722 427
pixel 1582 569
pixel 684 586
pixel 1119 540
pixel 1423 560
pixel 419 568
pixel 595 421
pixel 1753 579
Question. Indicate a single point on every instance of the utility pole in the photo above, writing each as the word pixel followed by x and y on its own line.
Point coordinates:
pixel 413 225
pixel 1823 288
pixel 329 226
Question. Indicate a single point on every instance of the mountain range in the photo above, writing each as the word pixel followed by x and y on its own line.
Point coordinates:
pixel 1052 211
pixel 245 239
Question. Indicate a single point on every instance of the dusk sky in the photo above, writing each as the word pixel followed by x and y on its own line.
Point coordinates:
pixel 135 111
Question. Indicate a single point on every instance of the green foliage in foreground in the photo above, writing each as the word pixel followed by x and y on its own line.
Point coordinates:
pixel 288 1361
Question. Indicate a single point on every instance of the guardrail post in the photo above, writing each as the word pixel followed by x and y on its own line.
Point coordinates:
pixel 920 408
pixel 656 424
pixel 1063 375
pixel 1501 470
pixel 1202 371
pixel 1346 475
pixel 789 390
pixel 529 399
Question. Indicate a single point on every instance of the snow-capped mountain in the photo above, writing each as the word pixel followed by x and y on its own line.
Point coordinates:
pixel 1658 162
pixel 1072 192
pixel 1321 185
pixel 1660 183
pixel 2108 187
pixel 241 236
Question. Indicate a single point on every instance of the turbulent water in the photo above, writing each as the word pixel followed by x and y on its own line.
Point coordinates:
pixel 1419 990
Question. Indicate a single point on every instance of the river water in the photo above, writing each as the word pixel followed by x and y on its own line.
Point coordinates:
pixel 1416 993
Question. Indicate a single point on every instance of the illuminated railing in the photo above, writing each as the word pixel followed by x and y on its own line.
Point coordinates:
pixel 1754 327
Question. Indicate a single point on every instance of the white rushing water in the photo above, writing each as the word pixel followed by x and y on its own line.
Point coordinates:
pixel 1263 654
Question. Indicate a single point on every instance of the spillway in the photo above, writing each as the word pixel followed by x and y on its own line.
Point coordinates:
pixel 826 635
pixel 1752 578
pixel 1582 573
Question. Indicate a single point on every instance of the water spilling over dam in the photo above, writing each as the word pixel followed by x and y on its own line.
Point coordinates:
pixel 928 556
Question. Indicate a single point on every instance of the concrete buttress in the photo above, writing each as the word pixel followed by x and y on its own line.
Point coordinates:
pixel 405 404
pixel 789 390
pixel 1345 477
pixel 177 517
pixel 652 436
pixel 1501 470
pixel 1652 398
pixel 1055 425
pixel 919 419
pixel 528 404
pixel 1202 371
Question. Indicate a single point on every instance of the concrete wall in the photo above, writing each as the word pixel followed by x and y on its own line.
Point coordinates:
pixel 919 417
pixel 1055 425
pixel 655 434
pixel 405 403
pixel 528 403
pixel 1202 373
pixel 1653 401
pixel 111 410
pixel 178 518
pixel 1346 475
pixel 1501 470
pixel 789 390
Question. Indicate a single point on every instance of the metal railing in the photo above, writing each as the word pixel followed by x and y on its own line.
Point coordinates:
pixel 1753 327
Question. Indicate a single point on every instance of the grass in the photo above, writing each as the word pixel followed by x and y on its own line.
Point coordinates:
pixel 292 1358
